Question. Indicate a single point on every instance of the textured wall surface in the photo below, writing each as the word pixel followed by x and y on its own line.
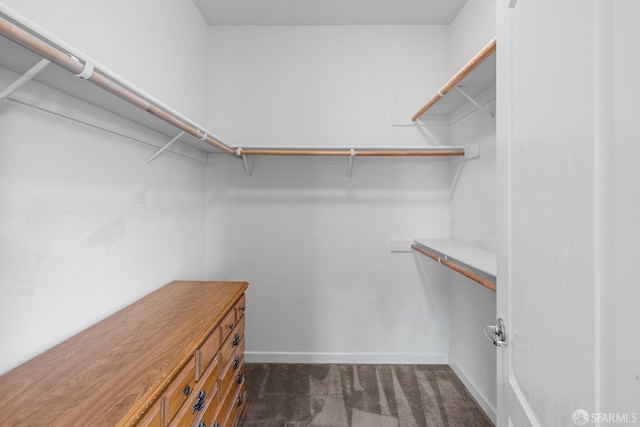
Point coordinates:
pixel 85 228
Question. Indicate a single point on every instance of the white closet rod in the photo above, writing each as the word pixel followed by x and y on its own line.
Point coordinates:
pixel 92 71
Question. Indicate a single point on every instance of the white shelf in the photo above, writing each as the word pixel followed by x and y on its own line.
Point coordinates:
pixel 17 59
pixel 23 45
pixel 474 78
pixel 476 261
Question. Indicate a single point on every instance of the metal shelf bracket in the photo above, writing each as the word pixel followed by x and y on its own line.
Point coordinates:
pixel 474 102
pixel 245 162
pixel 351 156
pixel 157 153
pixel 30 74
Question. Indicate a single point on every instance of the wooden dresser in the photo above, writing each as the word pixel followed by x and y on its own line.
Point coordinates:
pixel 173 358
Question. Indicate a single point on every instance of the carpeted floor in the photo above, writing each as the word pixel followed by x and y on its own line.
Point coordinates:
pixel 358 396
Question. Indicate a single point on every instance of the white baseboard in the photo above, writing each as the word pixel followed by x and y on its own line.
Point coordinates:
pixel 351 358
pixel 479 397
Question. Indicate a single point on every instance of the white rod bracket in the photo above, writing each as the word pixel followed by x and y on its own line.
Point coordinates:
pixel 471 151
pixel 350 171
pixel 473 101
pixel 87 71
pixel 245 162
pixel 157 153
pixel 512 4
pixel 30 74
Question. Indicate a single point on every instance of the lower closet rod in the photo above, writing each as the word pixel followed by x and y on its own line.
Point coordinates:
pixel 454 267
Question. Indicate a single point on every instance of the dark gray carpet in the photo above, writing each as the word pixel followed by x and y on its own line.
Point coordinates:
pixel 294 395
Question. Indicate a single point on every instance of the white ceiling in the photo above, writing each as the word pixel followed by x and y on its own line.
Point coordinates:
pixel 329 12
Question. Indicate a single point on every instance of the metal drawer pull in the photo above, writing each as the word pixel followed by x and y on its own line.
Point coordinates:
pixel 242 309
pixel 236 363
pixel 186 390
pixel 199 403
pixel 230 326
pixel 202 424
pixel 239 379
pixel 239 401
pixel 236 340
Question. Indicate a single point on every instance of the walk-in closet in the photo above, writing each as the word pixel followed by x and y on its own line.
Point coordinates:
pixel 305 213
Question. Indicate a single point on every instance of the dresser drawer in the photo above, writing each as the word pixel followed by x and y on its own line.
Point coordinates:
pixel 238 374
pixel 211 411
pixel 227 324
pixel 206 352
pixel 230 373
pixel 232 343
pixel 181 389
pixel 197 404
pixel 240 404
pixel 151 418
pixel 239 397
pixel 240 307
pixel 227 405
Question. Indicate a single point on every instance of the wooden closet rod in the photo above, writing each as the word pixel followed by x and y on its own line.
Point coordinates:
pixel 454 267
pixel 346 153
pixel 464 71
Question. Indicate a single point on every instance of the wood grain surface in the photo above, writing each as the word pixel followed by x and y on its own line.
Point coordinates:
pixel 112 372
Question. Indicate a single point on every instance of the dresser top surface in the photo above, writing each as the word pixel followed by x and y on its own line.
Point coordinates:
pixel 110 371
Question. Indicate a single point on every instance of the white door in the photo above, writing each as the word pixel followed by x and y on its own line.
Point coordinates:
pixel 569 204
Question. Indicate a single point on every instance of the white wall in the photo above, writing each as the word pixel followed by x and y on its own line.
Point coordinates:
pixel 315 244
pixel 473 182
pixel 316 248
pixel 473 220
pixel 324 86
pixel 471 30
pixel 474 216
pixel 85 228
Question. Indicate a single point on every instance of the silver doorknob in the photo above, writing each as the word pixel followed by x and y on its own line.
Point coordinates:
pixel 497 333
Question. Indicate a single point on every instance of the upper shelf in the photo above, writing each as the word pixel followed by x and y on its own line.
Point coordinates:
pixel 478 75
pixel 19 60
pixel 473 262
pixel 25 44
pixel 22 47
